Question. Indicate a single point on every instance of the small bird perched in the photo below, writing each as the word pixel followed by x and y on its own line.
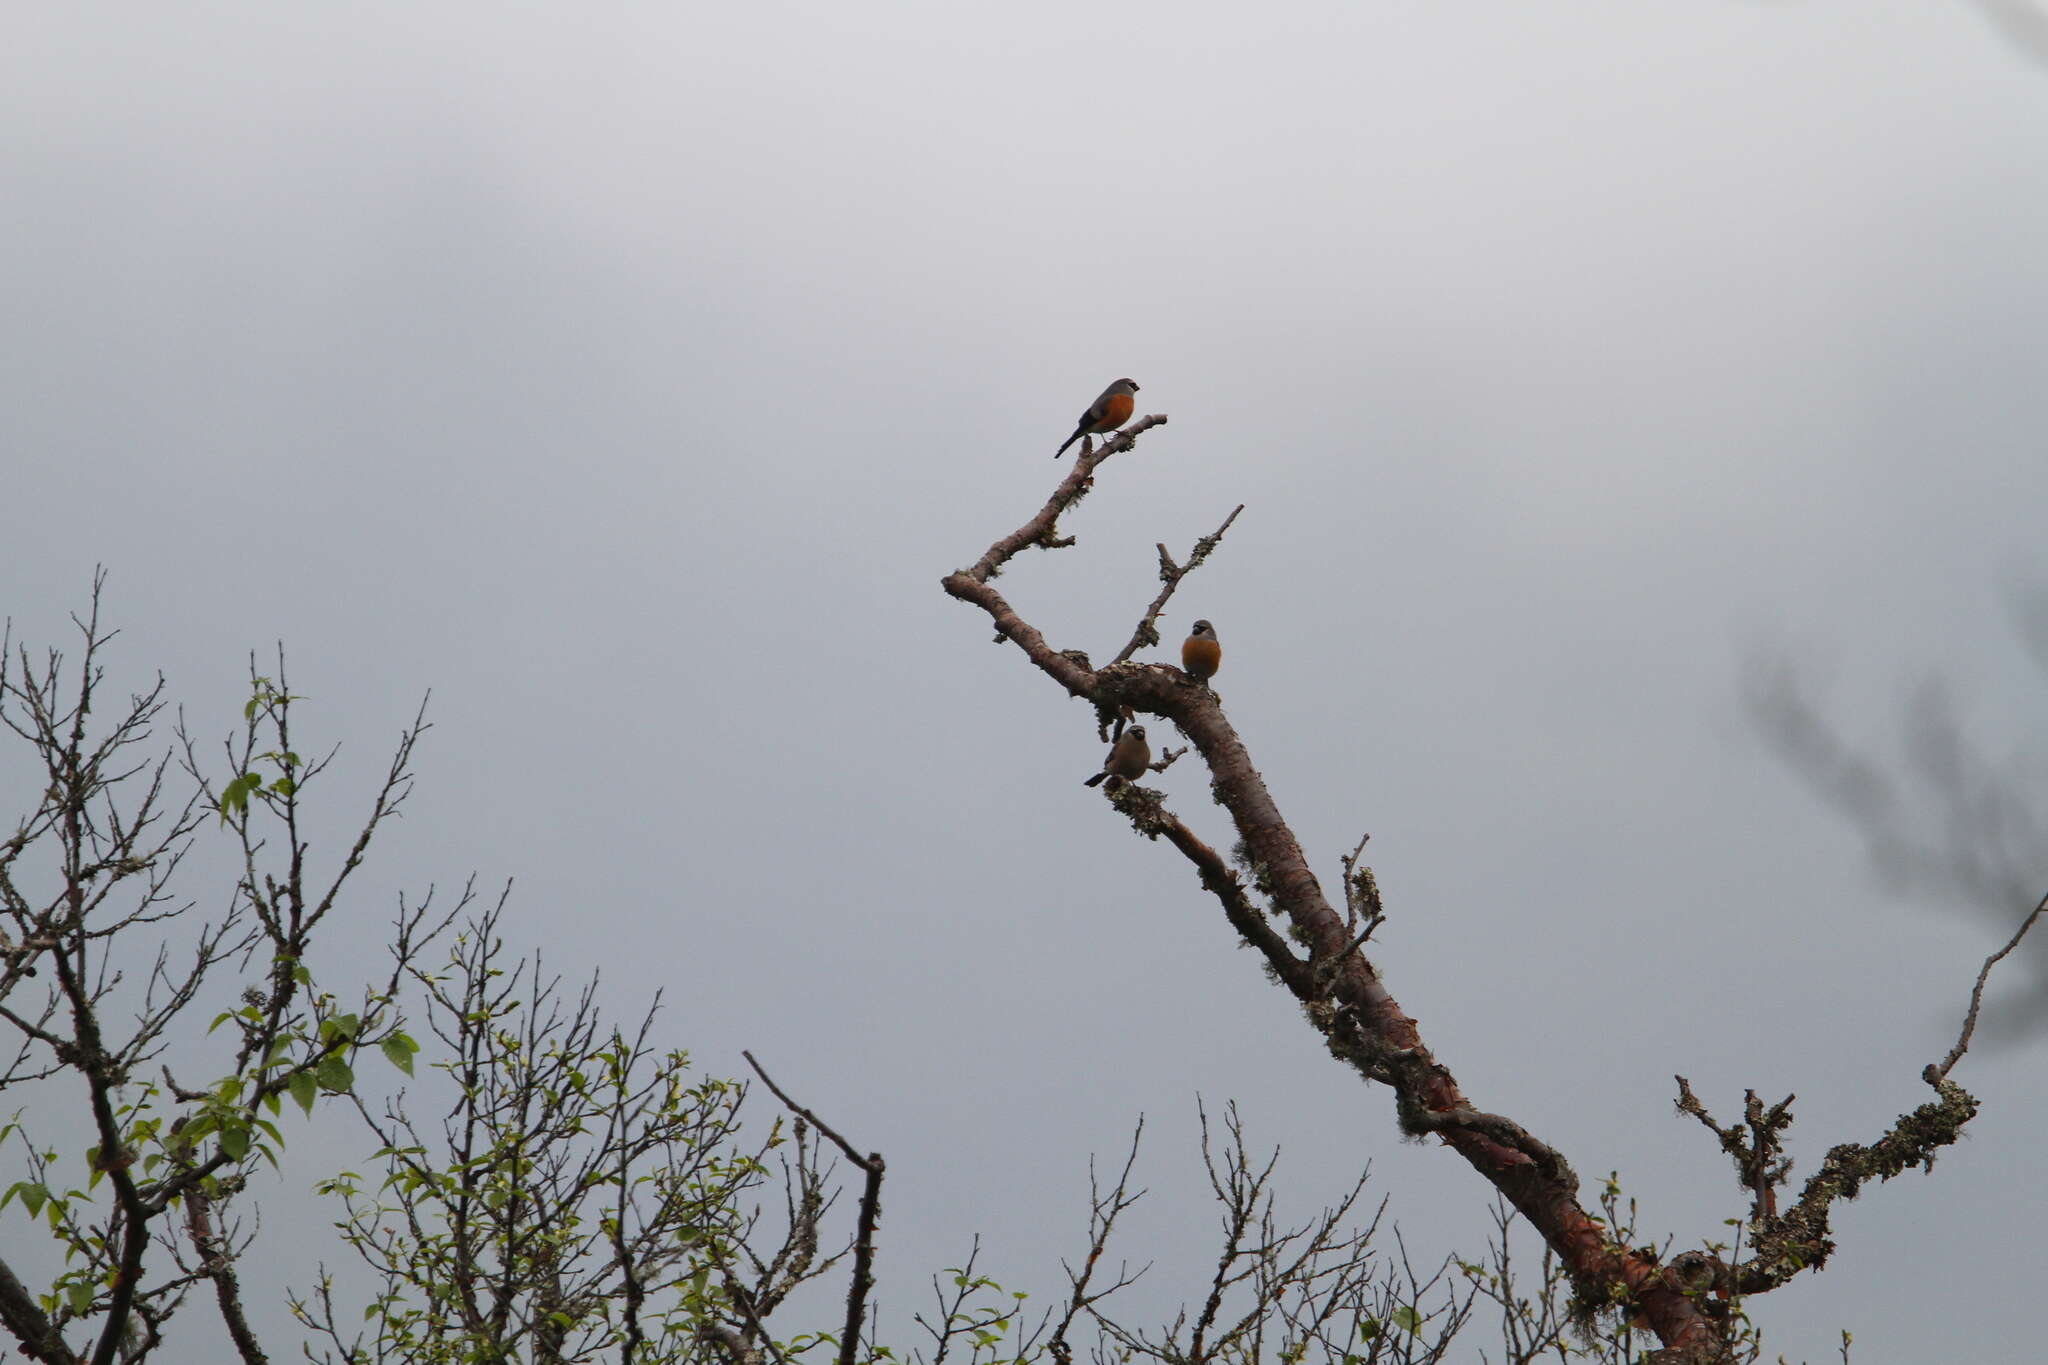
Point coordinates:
pixel 1106 413
pixel 1128 758
pixel 1200 653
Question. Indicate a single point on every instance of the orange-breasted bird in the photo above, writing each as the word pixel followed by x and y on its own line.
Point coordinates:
pixel 1128 758
pixel 1200 654
pixel 1106 413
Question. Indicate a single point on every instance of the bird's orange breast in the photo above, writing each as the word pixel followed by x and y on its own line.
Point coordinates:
pixel 1200 657
pixel 1116 412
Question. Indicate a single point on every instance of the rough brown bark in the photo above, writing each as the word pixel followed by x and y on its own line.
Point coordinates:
pixel 28 1324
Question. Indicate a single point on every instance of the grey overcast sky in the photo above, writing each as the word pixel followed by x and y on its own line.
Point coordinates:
pixel 628 374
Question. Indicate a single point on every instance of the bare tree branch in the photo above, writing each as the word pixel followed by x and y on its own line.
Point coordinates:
pixel 1955 1054
pixel 1103 1211
pixel 1344 995
pixel 218 1264
pixel 1170 575
pixel 872 1166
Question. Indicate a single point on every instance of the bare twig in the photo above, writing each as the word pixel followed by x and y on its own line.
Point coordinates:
pixel 1103 1211
pixel 1361 895
pixel 872 1166
pixel 1955 1054
pixel 1170 575
pixel 758 1329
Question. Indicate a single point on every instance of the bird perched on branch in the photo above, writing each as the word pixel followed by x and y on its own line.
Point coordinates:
pixel 1128 757
pixel 1106 413
pixel 1200 654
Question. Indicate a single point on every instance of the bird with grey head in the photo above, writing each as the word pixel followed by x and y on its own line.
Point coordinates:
pixel 1110 410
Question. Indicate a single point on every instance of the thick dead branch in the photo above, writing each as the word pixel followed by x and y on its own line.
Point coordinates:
pixel 1339 987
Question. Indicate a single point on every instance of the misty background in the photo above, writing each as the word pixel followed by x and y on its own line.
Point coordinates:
pixel 629 374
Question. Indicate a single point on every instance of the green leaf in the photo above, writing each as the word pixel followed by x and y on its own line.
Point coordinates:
pixel 80 1296
pixel 235 1142
pixel 304 1088
pixel 1407 1319
pixel 334 1074
pixel 234 798
pixel 398 1050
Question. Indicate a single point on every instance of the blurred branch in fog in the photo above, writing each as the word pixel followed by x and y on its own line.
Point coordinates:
pixel 1943 822
pixel 2023 23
